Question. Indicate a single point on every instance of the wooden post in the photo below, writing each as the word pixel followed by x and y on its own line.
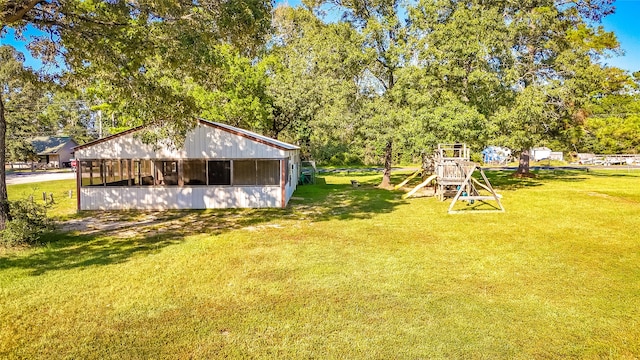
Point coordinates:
pixel 70 194
pixel 44 197
pixel 51 195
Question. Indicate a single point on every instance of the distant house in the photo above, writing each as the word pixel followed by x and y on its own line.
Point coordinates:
pixel 540 153
pixel 54 151
pixel 557 155
pixel 219 166
pixel 496 155
pixel 544 153
pixel 586 158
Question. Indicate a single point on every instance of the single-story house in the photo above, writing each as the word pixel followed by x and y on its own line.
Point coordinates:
pixel 219 166
pixel 556 155
pixel 54 151
pixel 496 155
pixel 540 153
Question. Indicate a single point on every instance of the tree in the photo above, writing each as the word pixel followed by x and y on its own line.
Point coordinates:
pixel 458 76
pixel 21 151
pixel 384 41
pixel 613 125
pixel 553 49
pixel 314 72
pixel 140 48
pixel 462 49
pixel 66 112
pixel 16 91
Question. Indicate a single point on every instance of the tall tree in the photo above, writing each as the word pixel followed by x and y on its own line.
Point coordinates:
pixel 314 72
pixel 463 47
pixel 544 35
pixel 16 92
pixel 459 72
pixel 384 30
pixel 139 48
pixel 612 125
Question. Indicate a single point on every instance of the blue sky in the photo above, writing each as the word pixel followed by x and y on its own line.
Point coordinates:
pixel 625 23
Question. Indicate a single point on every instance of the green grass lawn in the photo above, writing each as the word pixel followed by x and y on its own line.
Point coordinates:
pixel 63 206
pixel 341 273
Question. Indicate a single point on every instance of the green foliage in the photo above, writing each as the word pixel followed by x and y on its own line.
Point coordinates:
pixel 511 74
pixel 465 50
pixel 613 127
pixel 27 225
pixel 132 55
pixel 63 208
pixel 239 95
pixel 342 273
pixel 348 81
pixel 20 150
pixel 65 112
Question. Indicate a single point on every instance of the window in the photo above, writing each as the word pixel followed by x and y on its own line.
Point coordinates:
pixel 125 166
pixel 268 172
pixel 116 172
pixel 244 172
pixel 219 172
pixel 166 172
pixel 91 173
pixel 142 173
pixel 111 172
pixel 194 172
pixel 256 172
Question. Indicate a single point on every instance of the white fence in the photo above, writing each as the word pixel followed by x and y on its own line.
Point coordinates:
pixel 613 159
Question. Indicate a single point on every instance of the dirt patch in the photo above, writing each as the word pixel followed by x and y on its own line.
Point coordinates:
pixel 107 223
pixel 260 227
pixel 25 178
pixel 528 175
pixel 146 224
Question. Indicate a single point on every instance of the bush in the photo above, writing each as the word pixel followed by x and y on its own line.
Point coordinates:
pixel 28 223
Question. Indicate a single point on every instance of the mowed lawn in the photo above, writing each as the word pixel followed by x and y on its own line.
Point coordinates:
pixel 342 273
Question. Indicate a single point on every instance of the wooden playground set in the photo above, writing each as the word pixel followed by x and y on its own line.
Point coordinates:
pixel 453 177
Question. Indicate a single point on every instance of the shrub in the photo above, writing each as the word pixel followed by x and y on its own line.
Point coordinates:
pixel 28 223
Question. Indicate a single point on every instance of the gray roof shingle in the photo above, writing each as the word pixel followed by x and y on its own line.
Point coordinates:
pixel 46 145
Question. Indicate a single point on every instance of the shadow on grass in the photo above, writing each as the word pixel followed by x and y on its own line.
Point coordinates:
pixel 504 179
pixel 615 173
pixel 105 238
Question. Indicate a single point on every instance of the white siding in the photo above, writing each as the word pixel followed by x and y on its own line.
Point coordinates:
pixel 201 142
pixel 65 152
pixel 162 198
pixel 294 169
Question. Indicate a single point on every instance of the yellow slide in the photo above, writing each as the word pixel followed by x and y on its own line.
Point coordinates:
pixel 423 184
pixel 407 180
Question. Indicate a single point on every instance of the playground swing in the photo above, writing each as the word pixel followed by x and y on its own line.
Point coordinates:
pixel 454 178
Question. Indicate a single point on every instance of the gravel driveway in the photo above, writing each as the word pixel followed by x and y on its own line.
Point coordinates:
pixel 28 177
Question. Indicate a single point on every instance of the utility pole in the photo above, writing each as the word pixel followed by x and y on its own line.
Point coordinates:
pixel 99 124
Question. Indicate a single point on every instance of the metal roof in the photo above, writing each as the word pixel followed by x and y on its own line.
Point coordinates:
pixel 224 127
pixel 47 145
pixel 251 135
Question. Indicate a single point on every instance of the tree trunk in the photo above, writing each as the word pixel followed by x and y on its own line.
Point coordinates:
pixel 386 173
pixel 4 203
pixel 523 165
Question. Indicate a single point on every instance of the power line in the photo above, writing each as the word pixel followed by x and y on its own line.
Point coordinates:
pixel 47 104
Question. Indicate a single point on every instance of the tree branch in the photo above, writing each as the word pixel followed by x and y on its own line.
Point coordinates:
pixel 20 13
